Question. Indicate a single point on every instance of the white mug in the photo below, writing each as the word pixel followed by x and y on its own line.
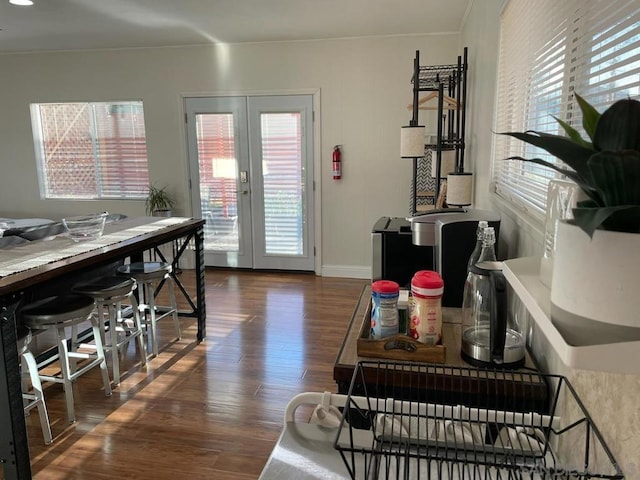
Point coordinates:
pixel 326 416
pixel 526 439
pixel 457 432
pixel 388 425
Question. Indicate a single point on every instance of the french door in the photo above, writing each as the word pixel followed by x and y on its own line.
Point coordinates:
pixel 251 171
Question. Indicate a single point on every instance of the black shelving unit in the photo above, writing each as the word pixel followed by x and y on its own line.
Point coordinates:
pixel 450 80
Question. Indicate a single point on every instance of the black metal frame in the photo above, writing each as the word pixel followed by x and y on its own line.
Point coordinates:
pixel 14 451
pixel 435 78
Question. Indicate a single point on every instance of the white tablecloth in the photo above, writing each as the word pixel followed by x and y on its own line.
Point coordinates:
pixel 35 254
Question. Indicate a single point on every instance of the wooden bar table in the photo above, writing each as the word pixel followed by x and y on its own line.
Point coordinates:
pixel 40 263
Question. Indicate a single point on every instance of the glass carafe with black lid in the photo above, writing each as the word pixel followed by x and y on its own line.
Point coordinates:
pixel 487 339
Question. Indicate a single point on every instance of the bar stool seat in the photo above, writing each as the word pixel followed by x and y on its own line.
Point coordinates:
pixel 35 397
pixel 109 294
pixel 58 313
pixel 149 275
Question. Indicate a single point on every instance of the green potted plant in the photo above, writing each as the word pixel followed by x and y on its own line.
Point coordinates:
pixel 597 260
pixel 158 202
pixel 606 167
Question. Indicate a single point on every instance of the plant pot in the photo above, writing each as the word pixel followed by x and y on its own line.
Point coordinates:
pixel 594 287
pixel 162 213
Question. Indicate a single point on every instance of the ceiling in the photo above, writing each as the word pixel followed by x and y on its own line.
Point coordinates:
pixel 95 24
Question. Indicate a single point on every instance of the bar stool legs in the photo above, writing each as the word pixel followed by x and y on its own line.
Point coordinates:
pixel 69 375
pixel 116 331
pixel 148 300
pixel 120 334
pixel 58 313
pixel 35 398
pixel 147 276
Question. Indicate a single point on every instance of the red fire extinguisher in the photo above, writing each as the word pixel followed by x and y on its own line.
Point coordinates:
pixel 337 163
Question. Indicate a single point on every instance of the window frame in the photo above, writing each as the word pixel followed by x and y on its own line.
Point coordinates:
pixel 101 158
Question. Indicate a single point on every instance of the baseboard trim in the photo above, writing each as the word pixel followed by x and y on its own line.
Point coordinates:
pixel 346 271
pixel 338 271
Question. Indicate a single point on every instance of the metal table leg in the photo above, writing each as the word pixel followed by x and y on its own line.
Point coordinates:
pixel 14 446
pixel 198 309
pixel 200 285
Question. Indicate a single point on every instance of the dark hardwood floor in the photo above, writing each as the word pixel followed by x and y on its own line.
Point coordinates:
pixel 212 410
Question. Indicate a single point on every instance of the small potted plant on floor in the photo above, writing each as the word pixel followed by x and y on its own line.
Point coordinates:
pixel 597 260
pixel 158 203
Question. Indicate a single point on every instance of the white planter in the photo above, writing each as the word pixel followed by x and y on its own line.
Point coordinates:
pixel 595 287
pixel 162 213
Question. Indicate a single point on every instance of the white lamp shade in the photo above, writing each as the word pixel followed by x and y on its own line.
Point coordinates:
pixel 448 163
pixel 459 188
pixel 412 141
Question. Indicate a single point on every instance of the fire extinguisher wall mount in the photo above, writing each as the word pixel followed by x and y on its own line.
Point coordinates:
pixel 337 162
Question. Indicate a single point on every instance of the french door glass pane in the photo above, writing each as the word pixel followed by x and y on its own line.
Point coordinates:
pixel 283 177
pixel 218 173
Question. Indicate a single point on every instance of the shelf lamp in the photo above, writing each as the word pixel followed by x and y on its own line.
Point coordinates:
pixel 412 141
pixel 412 146
pixel 459 189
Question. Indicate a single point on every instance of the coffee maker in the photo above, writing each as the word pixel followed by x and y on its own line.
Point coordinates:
pixel 452 234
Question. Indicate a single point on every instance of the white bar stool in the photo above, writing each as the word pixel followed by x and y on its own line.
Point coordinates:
pixel 35 397
pixel 58 313
pixel 148 275
pixel 109 294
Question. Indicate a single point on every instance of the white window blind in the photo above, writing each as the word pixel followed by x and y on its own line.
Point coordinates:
pixel 283 183
pixel 550 49
pixel 91 150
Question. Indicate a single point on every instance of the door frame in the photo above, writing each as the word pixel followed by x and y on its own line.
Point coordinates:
pixel 317 153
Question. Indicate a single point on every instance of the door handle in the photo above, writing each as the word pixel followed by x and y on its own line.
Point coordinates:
pixel 244 192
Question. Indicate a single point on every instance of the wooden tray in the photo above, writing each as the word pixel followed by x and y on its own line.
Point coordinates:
pixel 398 347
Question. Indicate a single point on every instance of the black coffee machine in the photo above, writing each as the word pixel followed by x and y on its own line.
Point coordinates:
pixel 452 234
pixel 394 256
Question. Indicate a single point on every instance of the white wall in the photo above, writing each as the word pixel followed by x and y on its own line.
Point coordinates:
pixel 364 88
pixel 610 398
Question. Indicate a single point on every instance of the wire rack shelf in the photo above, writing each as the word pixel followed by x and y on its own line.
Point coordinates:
pixel 431 76
pixel 405 434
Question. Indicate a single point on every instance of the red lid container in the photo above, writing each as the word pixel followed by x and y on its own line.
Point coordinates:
pixel 385 286
pixel 427 283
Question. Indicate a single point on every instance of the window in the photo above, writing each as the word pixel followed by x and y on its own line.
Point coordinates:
pixel 548 51
pixel 91 150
